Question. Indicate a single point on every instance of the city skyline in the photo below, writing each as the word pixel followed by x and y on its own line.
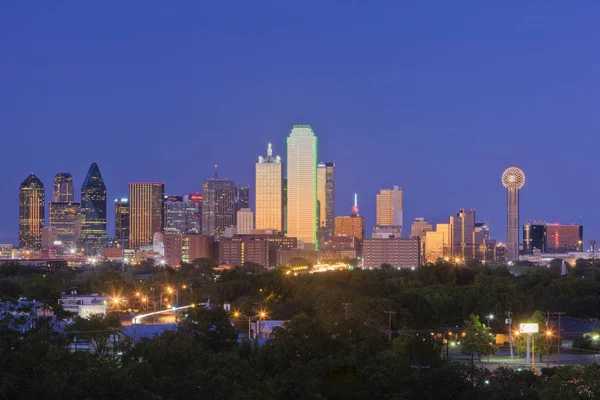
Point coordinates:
pixel 495 233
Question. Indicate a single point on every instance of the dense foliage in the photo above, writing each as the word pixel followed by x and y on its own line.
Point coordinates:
pixel 335 345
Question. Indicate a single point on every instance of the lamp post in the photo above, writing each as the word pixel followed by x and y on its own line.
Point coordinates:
pixel 548 334
pixel 490 317
pixel 260 316
pixel 595 339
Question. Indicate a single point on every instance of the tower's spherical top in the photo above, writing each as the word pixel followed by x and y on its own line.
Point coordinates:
pixel 513 178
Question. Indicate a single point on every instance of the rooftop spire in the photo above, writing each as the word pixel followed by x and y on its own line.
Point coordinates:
pixel 269 151
pixel 216 171
pixel 355 206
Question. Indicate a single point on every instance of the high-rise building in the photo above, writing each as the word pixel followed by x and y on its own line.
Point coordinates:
pixel 218 205
pixel 397 252
pixel 552 238
pixel 389 209
pixel 145 212
pixel 437 243
pixel 66 218
pixel 350 225
pixel 513 180
pixel 245 221
pixel 63 188
pixel 31 213
pixel 175 216
pixel 302 218
pixel 193 211
pixel 419 227
pixel 186 248
pixel 242 197
pixel 122 222
pixel 49 240
pixel 325 197
pixel 463 234
pixel 285 198
pixel 93 236
pixel 269 192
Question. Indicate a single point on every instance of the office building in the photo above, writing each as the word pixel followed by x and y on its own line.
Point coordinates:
pixel 245 221
pixel 397 252
pixel 552 238
pixel 218 206
pixel 66 218
pixel 122 222
pixel 31 213
pixel 302 218
pixel 93 235
pixel 186 248
pixel 350 226
pixel 242 197
pixel 419 227
pixel 63 188
pixel 389 209
pixel 269 201
pixel 193 209
pixel 145 212
pixel 437 243
pixel 50 243
pixel 463 234
pixel 325 197
pixel 513 180
pixel 285 198
pixel 240 250
pixel 175 216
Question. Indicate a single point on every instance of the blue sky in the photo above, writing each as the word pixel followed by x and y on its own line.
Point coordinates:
pixel 439 97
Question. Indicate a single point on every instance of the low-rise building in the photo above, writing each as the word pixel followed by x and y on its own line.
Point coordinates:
pixel 82 305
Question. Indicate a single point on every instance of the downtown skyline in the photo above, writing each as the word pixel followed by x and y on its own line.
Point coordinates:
pixel 441 112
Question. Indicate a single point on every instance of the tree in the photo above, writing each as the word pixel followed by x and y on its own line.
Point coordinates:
pixel 477 339
pixel 573 382
pixel 420 350
pixel 211 327
pixel 97 330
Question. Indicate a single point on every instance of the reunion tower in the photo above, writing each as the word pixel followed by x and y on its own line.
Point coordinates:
pixel 513 179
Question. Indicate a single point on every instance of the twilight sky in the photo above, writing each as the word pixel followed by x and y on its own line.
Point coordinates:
pixel 439 97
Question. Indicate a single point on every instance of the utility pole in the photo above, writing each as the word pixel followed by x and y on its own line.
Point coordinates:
pixel 509 323
pixel 390 313
pixel 346 309
pixel 558 338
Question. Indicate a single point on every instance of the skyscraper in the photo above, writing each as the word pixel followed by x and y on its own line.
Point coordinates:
pixel 269 192
pixel 463 234
pixel 31 213
pixel 193 211
pixel 145 212
pixel 63 188
pixel 325 196
pixel 66 218
pixel 513 180
pixel 93 236
pixel 218 205
pixel 389 209
pixel 176 216
pixel 302 218
pixel 242 197
pixel 122 221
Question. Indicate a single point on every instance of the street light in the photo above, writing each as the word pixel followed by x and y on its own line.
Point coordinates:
pixel 490 318
pixel 261 315
pixel 594 341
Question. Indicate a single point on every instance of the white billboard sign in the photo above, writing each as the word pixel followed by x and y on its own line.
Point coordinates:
pixel 528 328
